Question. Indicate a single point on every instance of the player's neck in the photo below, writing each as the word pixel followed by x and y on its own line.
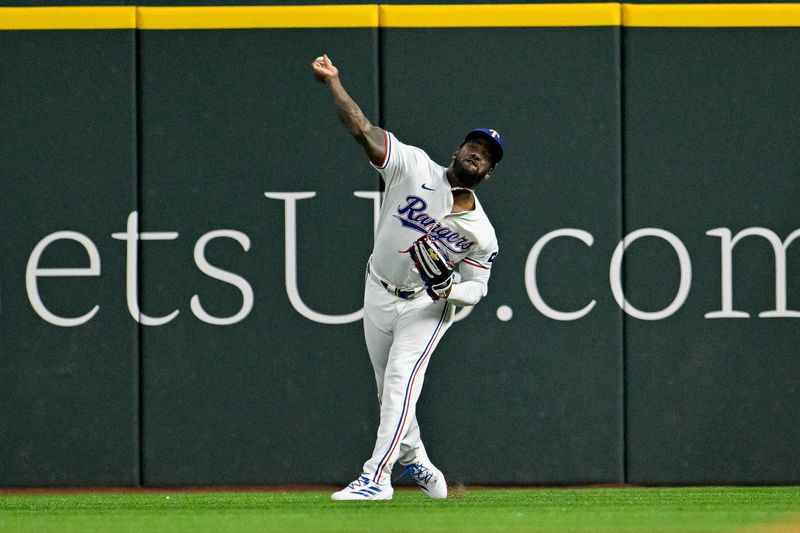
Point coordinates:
pixel 463 199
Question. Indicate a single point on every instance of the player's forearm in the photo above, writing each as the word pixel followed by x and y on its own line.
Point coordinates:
pixel 371 138
pixel 348 112
pixel 467 293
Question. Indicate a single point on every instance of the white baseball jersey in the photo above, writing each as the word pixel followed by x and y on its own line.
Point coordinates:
pixel 419 200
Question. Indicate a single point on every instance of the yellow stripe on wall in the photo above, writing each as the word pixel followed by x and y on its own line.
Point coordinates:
pixel 204 18
pixel 710 15
pixel 400 16
pixel 499 15
pixel 68 18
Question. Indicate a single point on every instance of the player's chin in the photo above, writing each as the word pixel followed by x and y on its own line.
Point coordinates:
pixel 467 176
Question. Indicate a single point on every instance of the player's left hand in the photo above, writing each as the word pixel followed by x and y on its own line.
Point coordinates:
pixel 434 265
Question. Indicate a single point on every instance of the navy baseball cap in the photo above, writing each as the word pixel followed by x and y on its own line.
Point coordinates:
pixel 496 144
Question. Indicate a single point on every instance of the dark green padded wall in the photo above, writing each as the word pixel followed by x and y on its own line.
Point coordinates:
pixel 546 394
pixel 609 131
pixel 69 395
pixel 711 142
pixel 277 397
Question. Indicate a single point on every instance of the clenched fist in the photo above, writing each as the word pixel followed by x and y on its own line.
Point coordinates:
pixel 324 69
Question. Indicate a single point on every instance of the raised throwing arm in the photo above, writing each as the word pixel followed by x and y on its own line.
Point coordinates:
pixel 371 138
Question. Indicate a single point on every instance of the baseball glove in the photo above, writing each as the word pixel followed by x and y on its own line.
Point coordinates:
pixel 434 265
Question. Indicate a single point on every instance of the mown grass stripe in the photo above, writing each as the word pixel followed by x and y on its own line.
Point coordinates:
pixel 468 510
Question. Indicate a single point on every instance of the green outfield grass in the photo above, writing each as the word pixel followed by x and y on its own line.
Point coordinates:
pixel 595 510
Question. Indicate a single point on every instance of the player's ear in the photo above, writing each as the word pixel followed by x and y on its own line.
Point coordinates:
pixel 488 175
pixel 456 152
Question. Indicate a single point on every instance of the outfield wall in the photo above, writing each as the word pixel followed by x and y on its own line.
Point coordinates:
pixel 186 227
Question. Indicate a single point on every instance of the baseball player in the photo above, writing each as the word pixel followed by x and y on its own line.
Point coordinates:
pixel 430 222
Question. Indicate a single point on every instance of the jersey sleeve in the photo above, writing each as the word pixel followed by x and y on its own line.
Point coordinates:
pixel 475 270
pixel 398 159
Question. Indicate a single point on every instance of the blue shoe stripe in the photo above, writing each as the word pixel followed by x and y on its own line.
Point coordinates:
pixel 368 492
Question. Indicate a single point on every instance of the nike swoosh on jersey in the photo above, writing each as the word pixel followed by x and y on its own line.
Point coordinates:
pixel 427 188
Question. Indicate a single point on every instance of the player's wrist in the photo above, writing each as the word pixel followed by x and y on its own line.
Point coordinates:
pixel 443 292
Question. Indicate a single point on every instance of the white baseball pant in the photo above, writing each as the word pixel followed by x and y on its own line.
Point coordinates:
pixel 401 335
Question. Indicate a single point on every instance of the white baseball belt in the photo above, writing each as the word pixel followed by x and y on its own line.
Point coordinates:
pixel 406 293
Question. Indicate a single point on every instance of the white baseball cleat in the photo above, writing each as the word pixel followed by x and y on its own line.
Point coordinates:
pixel 429 478
pixel 364 489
